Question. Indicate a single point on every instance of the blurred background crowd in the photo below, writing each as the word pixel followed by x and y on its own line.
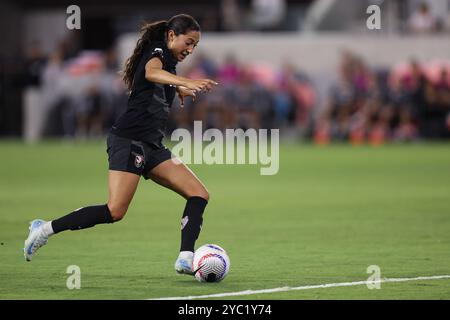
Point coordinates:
pixel 68 83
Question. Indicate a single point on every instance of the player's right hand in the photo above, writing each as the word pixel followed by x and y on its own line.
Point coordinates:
pixel 200 85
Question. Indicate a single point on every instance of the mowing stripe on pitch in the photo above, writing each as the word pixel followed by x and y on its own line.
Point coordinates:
pixel 318 286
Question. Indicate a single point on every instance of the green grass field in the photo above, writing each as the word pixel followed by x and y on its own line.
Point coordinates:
pixel 326 216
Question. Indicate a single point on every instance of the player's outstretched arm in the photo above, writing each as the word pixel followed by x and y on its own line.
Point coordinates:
pixel 155 73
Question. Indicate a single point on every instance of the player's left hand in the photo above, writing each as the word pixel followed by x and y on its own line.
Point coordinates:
pixel 185 92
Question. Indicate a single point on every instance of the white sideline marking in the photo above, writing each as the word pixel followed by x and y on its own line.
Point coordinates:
pixel 318 286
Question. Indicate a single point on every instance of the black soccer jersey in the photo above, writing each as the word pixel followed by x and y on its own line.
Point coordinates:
pixel 148 105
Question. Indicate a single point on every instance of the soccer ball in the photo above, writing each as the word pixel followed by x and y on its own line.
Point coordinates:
pixel 211 263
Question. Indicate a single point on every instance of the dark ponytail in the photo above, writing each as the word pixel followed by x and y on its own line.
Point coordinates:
pixel 149 32
pixel 156 31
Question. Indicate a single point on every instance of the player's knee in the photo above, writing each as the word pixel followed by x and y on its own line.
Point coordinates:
pixel 117 212
pixel 202 193
pixel 206 195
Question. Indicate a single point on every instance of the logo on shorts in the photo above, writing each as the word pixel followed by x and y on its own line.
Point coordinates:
pixel 138 161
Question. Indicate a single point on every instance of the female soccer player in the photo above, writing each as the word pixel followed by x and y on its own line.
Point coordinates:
pixel 134 144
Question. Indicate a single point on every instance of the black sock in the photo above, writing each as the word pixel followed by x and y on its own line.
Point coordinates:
pixel 83 218
pixel 191 223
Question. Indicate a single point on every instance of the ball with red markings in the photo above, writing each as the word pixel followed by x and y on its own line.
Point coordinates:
pixel 211 263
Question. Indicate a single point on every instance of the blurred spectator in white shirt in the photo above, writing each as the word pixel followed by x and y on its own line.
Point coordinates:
pixel 422 20
pixel 267 14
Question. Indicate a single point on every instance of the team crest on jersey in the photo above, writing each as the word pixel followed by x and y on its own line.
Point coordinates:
pixel 138 161
pixel 158 50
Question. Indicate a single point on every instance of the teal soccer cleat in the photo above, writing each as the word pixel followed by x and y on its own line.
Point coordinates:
pixel 183 265
pixel 36 239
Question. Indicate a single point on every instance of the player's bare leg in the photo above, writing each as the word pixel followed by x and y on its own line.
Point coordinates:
pixel 122 186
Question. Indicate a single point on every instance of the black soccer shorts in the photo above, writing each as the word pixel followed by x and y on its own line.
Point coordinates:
pixel 134 156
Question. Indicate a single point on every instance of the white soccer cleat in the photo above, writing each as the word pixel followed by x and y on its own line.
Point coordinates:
pixel 183 265
pixel 36 239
